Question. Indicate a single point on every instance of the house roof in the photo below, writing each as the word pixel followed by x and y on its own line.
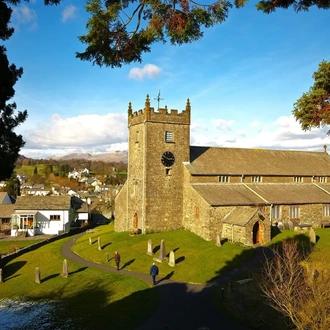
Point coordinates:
pixel 238 161
pixel 6 210
pixel 240 216
pixel 43 203
pixel 235 194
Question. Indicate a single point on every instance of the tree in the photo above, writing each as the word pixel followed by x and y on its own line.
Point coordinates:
pixel 297 288
pixel 312 109
pixel 120 31
pixel 13 186
pixel 10 142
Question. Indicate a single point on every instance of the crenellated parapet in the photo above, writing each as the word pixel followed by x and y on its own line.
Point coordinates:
pixel 161 115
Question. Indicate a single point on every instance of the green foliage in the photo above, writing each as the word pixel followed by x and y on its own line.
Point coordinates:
pixel 312 109
pixel 13 186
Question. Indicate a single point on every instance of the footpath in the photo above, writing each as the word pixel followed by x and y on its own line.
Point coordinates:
pixel 183 306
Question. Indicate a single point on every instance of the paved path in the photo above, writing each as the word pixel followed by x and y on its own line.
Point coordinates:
pixel 183 306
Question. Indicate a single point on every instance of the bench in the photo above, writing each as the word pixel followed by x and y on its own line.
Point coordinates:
pixel 325 223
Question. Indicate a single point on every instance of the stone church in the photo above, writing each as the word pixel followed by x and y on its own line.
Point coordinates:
pixel 236 193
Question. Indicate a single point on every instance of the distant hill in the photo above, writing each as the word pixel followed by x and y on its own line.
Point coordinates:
pixel 116 156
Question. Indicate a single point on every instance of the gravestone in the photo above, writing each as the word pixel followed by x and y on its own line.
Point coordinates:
pixel 74 241
pixel 37 275
pixel 312 236
pixel 90 240
pixel 107 257
pixel 218 240
pixel 162 252
pixel 1 275
pixel 65 268
pixel 99 243
pixel 150 248
pixel 171 262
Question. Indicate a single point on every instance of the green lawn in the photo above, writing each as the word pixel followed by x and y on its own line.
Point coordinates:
pixel 11 245
pixel 87 296
pixel 197 260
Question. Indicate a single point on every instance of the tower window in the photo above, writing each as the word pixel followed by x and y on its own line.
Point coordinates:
pixel 168 136
pixel 322 179
pixel 256 179
pixel 298 179
pixel 224 178
pixel 137 136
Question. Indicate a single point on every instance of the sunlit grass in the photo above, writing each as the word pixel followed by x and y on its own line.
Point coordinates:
pixel 197 260
pixel 11 245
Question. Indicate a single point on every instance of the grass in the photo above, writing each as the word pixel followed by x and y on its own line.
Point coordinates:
pixel 197 260
pixel 87 296
pixel 12 245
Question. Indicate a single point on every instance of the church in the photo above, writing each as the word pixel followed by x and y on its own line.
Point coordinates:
pixel 236 193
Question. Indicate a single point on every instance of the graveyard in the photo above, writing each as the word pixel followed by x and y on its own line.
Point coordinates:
pixel 82 295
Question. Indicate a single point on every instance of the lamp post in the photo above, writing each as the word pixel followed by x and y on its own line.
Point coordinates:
pixel 89 202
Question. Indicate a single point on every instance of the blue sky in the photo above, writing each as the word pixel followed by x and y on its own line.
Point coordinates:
pixel 242 79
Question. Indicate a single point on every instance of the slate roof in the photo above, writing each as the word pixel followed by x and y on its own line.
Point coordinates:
pixel 6 210
pixel 238 161
pixel 240 216
pixel 235 194
pixel 43 203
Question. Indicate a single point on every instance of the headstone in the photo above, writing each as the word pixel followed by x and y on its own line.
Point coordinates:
pixel 99 243
pixel 162 252
pixel 65 268
pixel 1 275
pixel 107 257
pixel 312 236
pixel 171 262
pixel 37 275
pixel 218 240
pixel 150 248
pixel 74 241
pixel 90 240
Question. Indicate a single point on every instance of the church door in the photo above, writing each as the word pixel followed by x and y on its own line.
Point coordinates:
pixel 258 232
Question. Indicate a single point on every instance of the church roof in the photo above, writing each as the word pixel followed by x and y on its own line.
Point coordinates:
pixel 239 161
pixel 235 194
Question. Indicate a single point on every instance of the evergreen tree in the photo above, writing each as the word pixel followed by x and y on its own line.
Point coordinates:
pixel 13 186
pixel 10 142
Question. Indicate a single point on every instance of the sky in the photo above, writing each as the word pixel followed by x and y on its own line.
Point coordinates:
pixel 242 79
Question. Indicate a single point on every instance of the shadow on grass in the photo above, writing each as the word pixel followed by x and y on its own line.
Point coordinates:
pixel 49 277
pixel 14 267
pixel 223 241
pixel 127 263
pixel 78 270
pixel 180 259
pixel 156 249
pixel 105 245
pixel 167 277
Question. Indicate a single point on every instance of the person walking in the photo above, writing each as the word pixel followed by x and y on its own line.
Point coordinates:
pixel 117 259
pixel 154 272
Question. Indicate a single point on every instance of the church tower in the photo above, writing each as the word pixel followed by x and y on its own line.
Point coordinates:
pixel 158 143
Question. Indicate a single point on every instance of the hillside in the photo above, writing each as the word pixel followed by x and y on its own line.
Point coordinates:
pixel 116 156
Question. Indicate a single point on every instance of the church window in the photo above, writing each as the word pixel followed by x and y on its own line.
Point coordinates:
pixel 294 212
pixel 298 179
pixel 276 212
pixel 224 178
pixel 322 179
pixel 168 136
pixel 326 210
pixel 256 179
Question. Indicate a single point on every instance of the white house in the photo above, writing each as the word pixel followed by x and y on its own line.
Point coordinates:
pixel 37 215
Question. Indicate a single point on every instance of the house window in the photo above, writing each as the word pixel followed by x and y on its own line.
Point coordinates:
pixel 256 179
pixel 26 220
pixel 168 136
pixel 55 217
pixel 326 210
pixel 276 212
pixel 224 178
pixel 294 212
pixel 298 179
pixel 322 179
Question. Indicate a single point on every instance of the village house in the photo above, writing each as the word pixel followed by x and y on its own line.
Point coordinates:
pixel 236 193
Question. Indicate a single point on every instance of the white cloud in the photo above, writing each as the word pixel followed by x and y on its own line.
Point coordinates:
pixel 23 15
pixel 91 133
pixel 222 125
pixel 150 71
pixel 69 12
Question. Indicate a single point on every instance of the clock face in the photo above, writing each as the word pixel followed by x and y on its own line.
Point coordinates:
pixel 168 158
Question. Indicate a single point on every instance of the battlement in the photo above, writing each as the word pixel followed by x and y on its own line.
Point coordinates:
pixel 163 115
